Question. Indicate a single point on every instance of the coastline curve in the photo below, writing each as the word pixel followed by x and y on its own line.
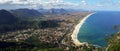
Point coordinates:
pixel 76 31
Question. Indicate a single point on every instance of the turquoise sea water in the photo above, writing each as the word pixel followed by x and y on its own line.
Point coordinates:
pixel 98 26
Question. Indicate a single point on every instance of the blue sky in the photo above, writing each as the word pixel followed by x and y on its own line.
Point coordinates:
pixel 79 4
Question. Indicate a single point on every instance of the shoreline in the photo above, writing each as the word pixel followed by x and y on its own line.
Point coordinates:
pixel 76 31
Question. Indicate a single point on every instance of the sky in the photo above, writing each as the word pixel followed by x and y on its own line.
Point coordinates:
pixel 71 4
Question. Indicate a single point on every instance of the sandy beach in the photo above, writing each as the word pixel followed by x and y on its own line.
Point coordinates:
pixel 76 31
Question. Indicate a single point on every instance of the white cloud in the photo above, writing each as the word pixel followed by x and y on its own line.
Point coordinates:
pixel 4 1
pixel 37 3
pixel 58 0
pixel 60 5
pixel 83 2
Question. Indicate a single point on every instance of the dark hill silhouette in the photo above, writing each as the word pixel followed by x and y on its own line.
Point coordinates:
pixel 9 22
pixel 7 18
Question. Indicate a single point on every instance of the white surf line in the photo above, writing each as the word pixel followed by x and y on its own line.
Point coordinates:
pixel 76 31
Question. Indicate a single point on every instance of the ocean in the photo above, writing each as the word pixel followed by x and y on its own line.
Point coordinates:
pixel 98 27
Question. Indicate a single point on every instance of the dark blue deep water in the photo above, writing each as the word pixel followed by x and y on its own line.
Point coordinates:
pixel 98 27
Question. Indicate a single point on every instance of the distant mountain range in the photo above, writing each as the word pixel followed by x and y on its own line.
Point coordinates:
pixel 24 13
pixel 52 11
pixel 28 13
pixel 12 16
pixel 57 11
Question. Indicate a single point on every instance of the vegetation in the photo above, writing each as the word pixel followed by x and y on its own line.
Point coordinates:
pixel 114 42
pixel 9 22
pixel 19 26
pixel 49 24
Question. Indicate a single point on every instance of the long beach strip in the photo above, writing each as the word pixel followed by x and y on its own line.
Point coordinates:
pixel 76 31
